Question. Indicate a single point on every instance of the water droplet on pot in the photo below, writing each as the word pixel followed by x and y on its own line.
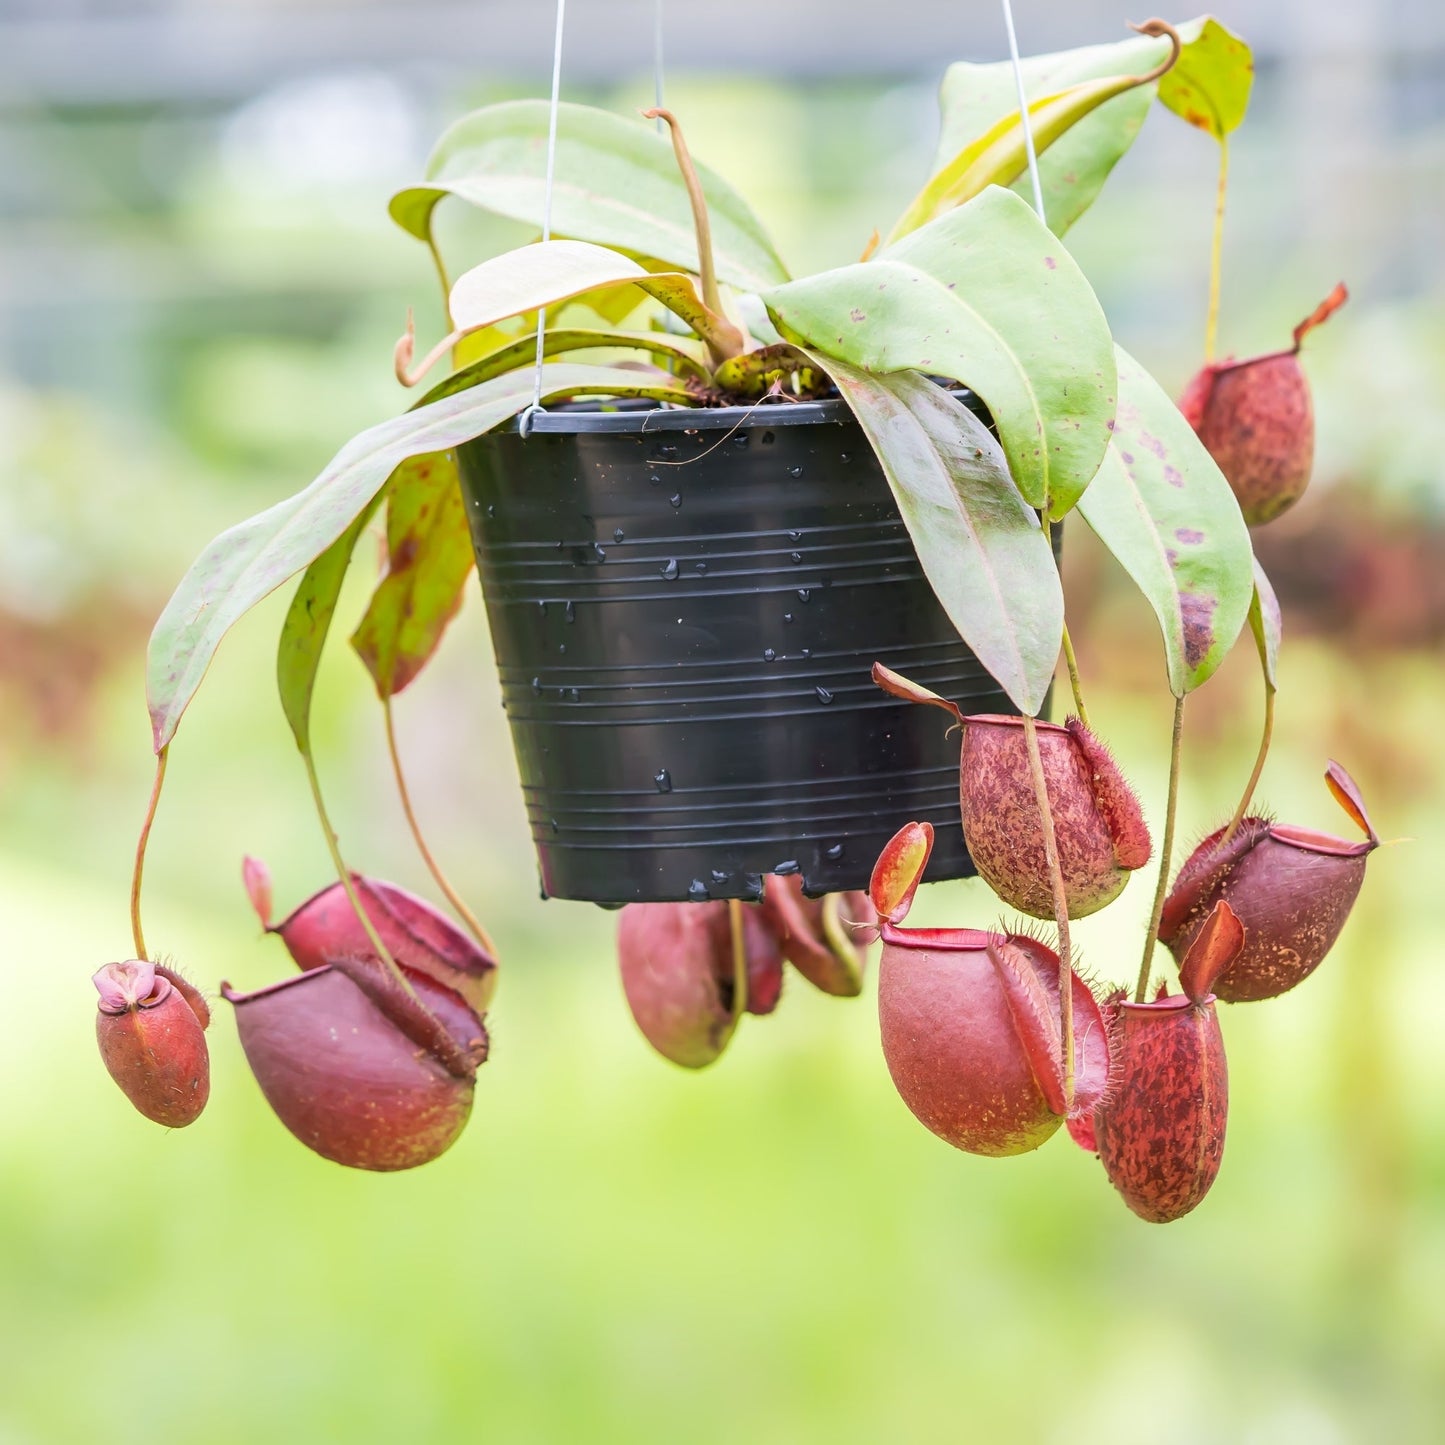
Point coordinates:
pixel 666 452
pixel 807 652
pixel 492 512
pixel 676 499
pixel 845 458
pixel 669 570
pixel 700 568
pixel 663 779
pixel 697 891
pixel 561 647
pixel 537 688
pixel 795 536
pixel 560 544
pixel 795 471
pixel 618 534
pixel 599 551
pixel 768 654
pixel 787 617
pixel 824 696
pixel 767 438
pixel 795 557
pixel 786 867
pixel 655 480
pixel 575 695
pixel 805 594
pixel 555 829
pixel 570 612
pixel 740 441
pixel 718 876
pixel 542 608
pixel 834 853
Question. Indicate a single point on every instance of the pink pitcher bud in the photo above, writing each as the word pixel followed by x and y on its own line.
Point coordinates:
pixel 825 939
pixel 1098 825
pixel 1256 419
pixel 152 1040
pixel 357 1069
pixel 970 1022
pixel 1292 888
pixel 418 936
pixel 1160 1129
pixel 678 974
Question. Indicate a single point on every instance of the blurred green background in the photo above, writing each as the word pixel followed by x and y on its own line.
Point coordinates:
pixel 198 293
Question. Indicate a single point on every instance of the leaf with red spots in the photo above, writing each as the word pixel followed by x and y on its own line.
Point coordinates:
pixel 1164 509
pixel 429 558
pixel 1210 83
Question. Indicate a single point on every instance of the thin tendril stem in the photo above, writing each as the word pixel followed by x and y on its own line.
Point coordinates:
pixel 137 936
pixel 1166 851
pixel 1061 908
pixel 433 867
pixel 1074 682
pixel 344 874
pixel 1216 252
pixel 740 959
pixel 1254 777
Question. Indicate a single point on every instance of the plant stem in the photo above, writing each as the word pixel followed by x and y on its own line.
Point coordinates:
pixel 137 936
pixel 1216 252
pixel 1166 851
pixel 740 958
pixel 344 874
pixel 1253 782
pixel 728 340
pixel 1061 908
pixel 463 912
pixel 1074 683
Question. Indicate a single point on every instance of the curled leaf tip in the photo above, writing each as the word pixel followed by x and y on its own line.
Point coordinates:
pixel 1321 313
pixel 1155 28
pixel 896 685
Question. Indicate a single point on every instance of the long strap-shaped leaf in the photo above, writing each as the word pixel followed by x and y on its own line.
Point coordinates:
pixel 982 549
pixel 988 296
pixel 1165 511
pixel 616 184
pixel 250 560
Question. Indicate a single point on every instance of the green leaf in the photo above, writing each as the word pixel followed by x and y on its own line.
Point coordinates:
pixel 999 156
pixel 303 634
pixel 1073 169
pixel 253 558
pixel 429 558
pixel 1210 83
pixel 987 296
pixel 684 352
pixel 982 550
pixel 547 273
pixel 1267 625
pixel 1165 511
pixel 616 184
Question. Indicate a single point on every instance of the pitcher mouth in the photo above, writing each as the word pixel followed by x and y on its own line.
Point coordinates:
pixel 1013 720
pixel 939 940
pixel 1313 842
pixel 1172 1003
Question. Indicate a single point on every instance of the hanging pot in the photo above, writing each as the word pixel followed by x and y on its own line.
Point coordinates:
pixel 685 607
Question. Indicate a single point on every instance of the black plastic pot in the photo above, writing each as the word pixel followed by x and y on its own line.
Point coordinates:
pixel 685 607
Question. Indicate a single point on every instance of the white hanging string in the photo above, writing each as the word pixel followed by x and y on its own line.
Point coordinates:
pixel 658 99
pixel 1024 118
pixel 524 422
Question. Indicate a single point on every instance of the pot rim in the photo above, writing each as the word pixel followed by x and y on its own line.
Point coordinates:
pixel 641 416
